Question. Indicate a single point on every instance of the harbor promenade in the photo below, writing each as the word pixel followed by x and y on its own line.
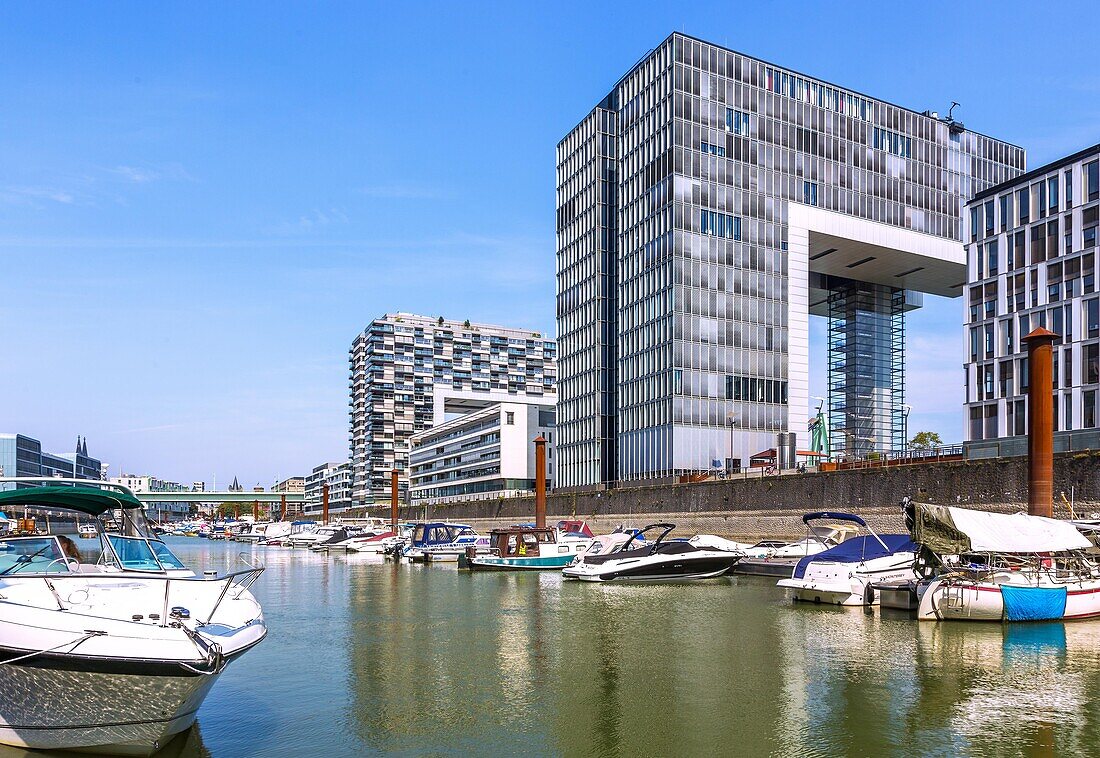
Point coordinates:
pixel 766 507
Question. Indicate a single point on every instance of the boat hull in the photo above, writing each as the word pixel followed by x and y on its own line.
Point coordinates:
pixel 983 601
pixel 675 569
pixel 103 712
pixel 847 584
pixel 518 563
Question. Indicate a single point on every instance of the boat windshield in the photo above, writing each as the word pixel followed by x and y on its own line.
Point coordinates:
pixel 30 555
pixel 166 557
pixel 138 554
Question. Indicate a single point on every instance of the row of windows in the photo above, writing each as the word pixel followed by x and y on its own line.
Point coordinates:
pixel 1038 199
pixel 719 224
pixel 892 142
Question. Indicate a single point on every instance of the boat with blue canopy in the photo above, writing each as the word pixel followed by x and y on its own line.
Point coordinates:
pixel 848 574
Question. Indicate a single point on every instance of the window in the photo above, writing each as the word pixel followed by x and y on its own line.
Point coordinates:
pixel 1067 412
pixel 1088 409
pixel 1021 418
pixel 719 224
pixel 991 256
pixel 1069 190
pixel 1067 367
pixel 1092 318
pixel 988 341
pixel 989 217
pixel 1023 202
pixel 737 122
pixel 973 223
pixel 973 343
pixel 976 423
pixel 1091 364
pixel 509 418
pixel 1092 180
pixel 892 142
pixel 1088 227
pixel 1052 193
pixel 718 150
pixel 809 193
pixel 1006 210
pixel 1040 193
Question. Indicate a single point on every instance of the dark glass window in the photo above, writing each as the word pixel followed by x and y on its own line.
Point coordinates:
pixel 1052 192
pixel 1092 180
pixel 988 217
pixel 1006 210
pixel 1091 364
pixel 1023 201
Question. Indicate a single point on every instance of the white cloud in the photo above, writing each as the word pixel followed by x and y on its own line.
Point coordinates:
pixel 23 195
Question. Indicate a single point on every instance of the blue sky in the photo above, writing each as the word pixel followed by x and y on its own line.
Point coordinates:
pixel 202 204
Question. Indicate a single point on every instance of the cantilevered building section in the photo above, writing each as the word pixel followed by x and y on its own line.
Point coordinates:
pixel 706 208
pixel 409 372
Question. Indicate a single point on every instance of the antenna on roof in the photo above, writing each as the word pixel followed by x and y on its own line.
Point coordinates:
pixel 954 105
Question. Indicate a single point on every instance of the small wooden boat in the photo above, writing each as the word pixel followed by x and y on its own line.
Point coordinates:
pixel 525 548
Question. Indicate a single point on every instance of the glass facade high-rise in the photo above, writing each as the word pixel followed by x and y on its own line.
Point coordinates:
pixel 1032 262
pixel 706 208
pixel 408 371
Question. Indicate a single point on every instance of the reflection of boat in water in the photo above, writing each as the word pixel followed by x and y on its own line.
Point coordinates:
pixel 658 561
pixel 979 566
pixel 845 574
pixel 118 655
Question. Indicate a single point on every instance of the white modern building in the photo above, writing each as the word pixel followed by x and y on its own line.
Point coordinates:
pixel 338 478
pixel 1032 262
pixel 707 207
pixel 156 511
pixel 401 362
pixel 487 453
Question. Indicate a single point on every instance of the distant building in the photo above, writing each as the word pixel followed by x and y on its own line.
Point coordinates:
pixel 156 511
pixel 488 453
pixel 21 455
pixel 401 361
pixel 1032 262
pixel 198 486
pixel 338 478
pixel 293 484
pixel 235 486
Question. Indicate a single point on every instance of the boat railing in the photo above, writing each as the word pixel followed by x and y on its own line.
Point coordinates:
pixel 241 580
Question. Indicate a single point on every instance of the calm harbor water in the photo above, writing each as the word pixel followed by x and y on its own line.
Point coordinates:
pixel 368 657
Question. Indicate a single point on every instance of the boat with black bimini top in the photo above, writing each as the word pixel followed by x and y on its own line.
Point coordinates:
pixel 116 654
pixel 662 560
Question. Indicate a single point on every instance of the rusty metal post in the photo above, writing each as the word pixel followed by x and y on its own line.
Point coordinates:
pixel 1040 422
pixel 324 503
pixel 255 510
pixel 282 507
pixel 540 482
pixel 393 500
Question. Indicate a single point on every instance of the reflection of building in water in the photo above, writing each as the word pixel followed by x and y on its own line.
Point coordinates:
pixel 1020 680
pixel 868 684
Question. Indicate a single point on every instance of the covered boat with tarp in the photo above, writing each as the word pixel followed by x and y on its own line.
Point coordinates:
pixel 849 573
pixel 981 566
pixel 109 649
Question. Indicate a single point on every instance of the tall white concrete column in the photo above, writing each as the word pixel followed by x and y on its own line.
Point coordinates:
pixel 798 327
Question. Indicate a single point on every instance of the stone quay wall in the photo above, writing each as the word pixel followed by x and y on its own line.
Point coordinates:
pixel 755 508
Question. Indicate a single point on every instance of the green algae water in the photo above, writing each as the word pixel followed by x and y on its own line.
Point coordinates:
pixel 366 657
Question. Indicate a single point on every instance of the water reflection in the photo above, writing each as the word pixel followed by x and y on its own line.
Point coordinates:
pixel 371 657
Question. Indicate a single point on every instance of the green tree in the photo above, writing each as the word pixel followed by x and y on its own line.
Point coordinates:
pixel 925 441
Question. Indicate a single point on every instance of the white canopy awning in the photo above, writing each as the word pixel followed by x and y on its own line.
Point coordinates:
pixel 946 529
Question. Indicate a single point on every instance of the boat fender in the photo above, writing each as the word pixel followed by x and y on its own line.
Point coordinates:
pixel 868 594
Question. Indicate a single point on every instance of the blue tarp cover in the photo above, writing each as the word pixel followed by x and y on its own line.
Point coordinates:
pixel 858 549
pixel 1033 603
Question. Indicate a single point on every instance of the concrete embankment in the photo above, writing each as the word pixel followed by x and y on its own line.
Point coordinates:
pixel 772 507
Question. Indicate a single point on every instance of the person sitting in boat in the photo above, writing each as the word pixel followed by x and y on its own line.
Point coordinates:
pixel 69 548
pixel 522 550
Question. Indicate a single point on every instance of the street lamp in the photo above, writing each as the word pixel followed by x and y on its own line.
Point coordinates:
pixel 730 420
pixel 905 409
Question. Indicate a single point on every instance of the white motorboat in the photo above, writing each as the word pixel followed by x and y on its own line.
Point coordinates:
pixel 116 655
pixel 980 566
pixel 603 544
pixel 658 561
pixel 381 543
pixel 255 533
pixel 847 574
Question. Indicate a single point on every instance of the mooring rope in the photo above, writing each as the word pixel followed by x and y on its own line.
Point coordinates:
pixel 80 640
